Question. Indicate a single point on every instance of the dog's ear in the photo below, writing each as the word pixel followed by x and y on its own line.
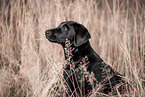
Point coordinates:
pixel 81 35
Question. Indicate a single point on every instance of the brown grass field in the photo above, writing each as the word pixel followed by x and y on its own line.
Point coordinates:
pixel 30 65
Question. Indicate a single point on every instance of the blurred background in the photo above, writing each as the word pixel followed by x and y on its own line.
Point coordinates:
pixel 31 66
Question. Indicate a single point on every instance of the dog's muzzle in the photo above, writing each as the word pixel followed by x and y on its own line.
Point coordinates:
pixel 48 33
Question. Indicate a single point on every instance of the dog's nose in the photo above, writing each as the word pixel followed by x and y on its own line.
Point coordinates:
pixel 48 33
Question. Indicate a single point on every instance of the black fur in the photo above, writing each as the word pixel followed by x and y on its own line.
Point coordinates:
pixel 82 78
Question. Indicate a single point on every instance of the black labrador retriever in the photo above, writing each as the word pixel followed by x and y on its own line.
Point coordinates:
pixel 85 71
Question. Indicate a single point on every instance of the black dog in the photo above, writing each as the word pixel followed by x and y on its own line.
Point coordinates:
pixel 85 71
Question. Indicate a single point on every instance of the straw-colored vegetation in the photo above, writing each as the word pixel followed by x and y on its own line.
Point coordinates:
pixel 30 65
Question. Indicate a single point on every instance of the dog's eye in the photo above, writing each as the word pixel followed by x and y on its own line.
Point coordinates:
pixel 64 28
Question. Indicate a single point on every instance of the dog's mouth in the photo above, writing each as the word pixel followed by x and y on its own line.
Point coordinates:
pixel 51 37
pixel 51 40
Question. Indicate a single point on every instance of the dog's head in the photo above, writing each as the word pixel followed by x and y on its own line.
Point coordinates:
pixel 73 31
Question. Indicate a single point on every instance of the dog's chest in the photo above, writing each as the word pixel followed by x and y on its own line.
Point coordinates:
pixel 93 73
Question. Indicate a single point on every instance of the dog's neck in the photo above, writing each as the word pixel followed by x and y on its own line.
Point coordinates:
pixel 76 54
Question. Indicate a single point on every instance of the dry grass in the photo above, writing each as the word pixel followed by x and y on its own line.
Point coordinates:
pixel 30 65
